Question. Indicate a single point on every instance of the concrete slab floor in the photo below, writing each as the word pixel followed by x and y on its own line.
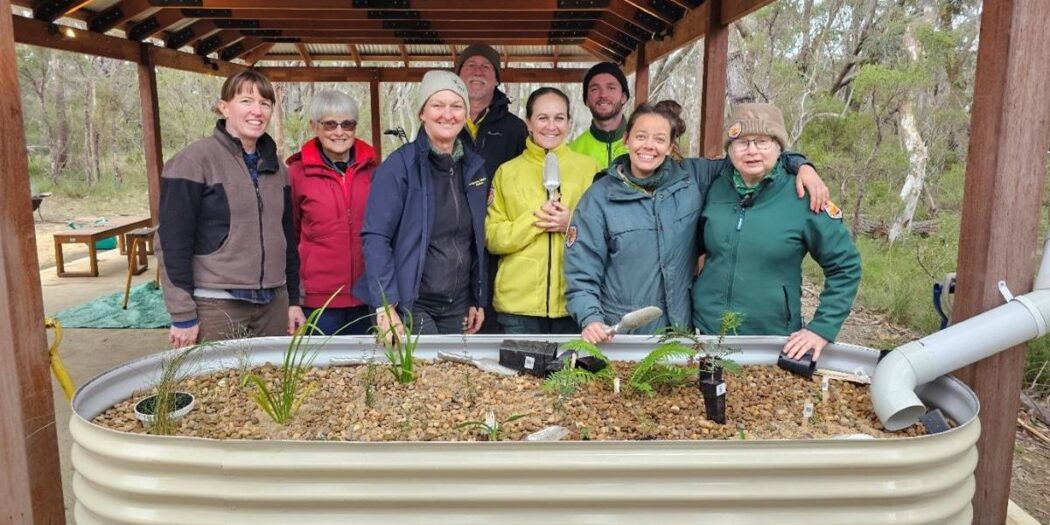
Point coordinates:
pixel 89 352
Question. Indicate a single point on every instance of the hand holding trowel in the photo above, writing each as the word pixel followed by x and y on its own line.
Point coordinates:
pixel 600 333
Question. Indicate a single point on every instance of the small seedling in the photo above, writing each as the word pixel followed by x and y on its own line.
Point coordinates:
pixel 470 390
pixel 491 428
pixel 566 382
pixel 369 381
pixel 585 433
pixel 399 348
pixel 655 370
pixel 172 373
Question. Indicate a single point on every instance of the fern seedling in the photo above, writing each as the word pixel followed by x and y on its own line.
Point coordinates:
pixel 656 370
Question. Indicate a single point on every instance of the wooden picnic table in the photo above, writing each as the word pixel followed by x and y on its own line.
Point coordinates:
pixel 115 228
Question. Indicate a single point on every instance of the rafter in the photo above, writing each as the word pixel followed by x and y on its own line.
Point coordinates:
pixel 152 25
pixel 257 54
pixel 117 14
pixel 190 35
pixel 514 59
pixel 305 54
pixel 407 74
pixel 353 53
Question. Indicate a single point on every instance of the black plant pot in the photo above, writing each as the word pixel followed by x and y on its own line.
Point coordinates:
pixel 803 366
pixel 145 409
pixel 714 392
pixel 710 375
pixel 531 357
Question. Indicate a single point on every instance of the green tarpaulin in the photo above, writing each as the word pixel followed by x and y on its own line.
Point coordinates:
pixel 145 310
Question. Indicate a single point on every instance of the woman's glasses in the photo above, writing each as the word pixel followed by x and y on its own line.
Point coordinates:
pixel 742 145
pixel 330 125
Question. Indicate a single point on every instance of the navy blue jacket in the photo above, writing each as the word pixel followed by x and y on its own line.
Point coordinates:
pixel 398 221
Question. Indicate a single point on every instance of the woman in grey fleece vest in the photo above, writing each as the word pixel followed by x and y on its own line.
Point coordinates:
pixel 226 241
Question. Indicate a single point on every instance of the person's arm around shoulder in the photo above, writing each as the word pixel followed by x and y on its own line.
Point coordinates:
pixel 586 252
pixel 296 318
pixel 828 241
pixel 807 180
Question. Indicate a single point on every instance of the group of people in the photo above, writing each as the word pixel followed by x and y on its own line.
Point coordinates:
pixel 485 222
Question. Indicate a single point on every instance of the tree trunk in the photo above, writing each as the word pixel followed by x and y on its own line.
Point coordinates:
pixel 914 144
pixel 92 171
pixel 278 121
pixel 59 131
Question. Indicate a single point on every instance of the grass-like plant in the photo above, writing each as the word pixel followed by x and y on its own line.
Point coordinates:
pixel 282 401
pixel 399 348
pixel 491 427
pixel 172 373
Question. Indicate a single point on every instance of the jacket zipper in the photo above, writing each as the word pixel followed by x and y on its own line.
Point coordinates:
pixel 456 203
pixel 736 246
pixel 550 256
pixel 262 238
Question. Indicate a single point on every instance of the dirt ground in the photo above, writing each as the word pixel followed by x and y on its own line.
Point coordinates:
pixel 91 351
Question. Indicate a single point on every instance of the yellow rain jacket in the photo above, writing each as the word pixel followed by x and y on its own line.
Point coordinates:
pixel 530 280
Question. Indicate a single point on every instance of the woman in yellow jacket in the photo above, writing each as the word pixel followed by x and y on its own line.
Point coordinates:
pixel 526 223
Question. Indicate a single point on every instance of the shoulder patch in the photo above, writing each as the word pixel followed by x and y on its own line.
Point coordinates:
pixel 734 130
pixel 832 210
pixel 570 236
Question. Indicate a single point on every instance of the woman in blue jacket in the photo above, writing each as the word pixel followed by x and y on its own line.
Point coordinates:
pixel 424 231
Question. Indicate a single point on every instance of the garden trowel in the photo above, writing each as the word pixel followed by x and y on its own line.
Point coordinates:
pixel 484 364
pixel 635 319
pixel 551 175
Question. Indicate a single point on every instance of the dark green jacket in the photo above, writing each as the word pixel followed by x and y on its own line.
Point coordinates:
pixel 754 260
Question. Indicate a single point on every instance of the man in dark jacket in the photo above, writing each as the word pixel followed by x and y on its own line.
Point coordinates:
pixel 492 131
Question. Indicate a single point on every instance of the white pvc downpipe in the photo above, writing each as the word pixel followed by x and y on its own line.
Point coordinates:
pixel 1020 320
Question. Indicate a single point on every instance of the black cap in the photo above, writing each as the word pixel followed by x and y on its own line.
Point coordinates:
pixel 605 67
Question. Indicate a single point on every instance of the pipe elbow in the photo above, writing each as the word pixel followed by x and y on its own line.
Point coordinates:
pixel 893 387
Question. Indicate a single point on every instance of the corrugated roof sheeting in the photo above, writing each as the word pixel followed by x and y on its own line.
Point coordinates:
pixel 328 49
pixel 377 49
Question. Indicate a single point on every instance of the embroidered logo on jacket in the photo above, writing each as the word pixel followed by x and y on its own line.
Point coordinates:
pixel 570 236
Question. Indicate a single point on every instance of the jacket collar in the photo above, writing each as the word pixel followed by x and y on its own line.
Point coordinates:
pixel 537 155
pixel 608 137
pixel 310 154
pixel 471 160
pixel 620 189
pixel 265 147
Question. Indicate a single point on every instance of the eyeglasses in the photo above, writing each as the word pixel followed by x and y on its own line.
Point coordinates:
pixel 330 125
pixel 742 145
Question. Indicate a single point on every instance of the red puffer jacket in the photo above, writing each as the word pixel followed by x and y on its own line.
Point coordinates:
pixel 328 210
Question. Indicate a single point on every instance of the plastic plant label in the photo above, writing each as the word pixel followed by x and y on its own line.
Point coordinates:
pixel 530 362
pixel 824 383
pixel 807 410
pixel 616 385
pixel 720 390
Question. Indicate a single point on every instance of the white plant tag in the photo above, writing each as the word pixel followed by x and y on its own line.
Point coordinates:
pixel 720 390
pixel 825 383
pixel 616 385
pixel 807 410
pixel 530 362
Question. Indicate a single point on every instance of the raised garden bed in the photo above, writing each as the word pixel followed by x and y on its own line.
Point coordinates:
pixel 629 458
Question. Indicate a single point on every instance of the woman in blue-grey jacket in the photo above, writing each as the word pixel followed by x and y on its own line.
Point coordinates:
pixel 632 241
pixel 424 230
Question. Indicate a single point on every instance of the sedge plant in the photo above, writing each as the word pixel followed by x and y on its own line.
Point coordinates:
pixel 282 401
pixel 400 348
pixel 172 373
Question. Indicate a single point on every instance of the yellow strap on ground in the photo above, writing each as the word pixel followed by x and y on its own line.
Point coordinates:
pixel 56 362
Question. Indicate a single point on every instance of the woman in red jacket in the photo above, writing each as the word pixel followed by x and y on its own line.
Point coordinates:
pixel 330 178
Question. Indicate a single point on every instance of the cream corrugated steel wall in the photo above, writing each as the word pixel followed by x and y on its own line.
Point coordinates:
pixel 134 479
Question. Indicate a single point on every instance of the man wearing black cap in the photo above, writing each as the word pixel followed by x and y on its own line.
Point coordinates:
pixel 492 131
pixel 495 133
pixel 605 92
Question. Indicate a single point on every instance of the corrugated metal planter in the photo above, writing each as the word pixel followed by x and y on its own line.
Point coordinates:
pixel 125 478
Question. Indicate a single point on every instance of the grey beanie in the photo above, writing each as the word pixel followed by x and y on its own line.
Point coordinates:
pixel 440 80
pixel 756 119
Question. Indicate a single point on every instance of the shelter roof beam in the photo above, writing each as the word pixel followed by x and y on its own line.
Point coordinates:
pixel 117 14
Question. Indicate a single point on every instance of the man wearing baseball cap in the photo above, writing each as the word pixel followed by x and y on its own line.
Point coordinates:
pixel 605 92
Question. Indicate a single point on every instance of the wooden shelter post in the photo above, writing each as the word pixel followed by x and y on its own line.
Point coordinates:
pixel 713 73
pixel 1005 172
pixel 151 139
pixel 31 484
pixel 641 77
pixel 377 116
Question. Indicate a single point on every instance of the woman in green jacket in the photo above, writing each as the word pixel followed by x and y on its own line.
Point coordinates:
pixel 755 235
pixel 633 238
pixel 526 222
